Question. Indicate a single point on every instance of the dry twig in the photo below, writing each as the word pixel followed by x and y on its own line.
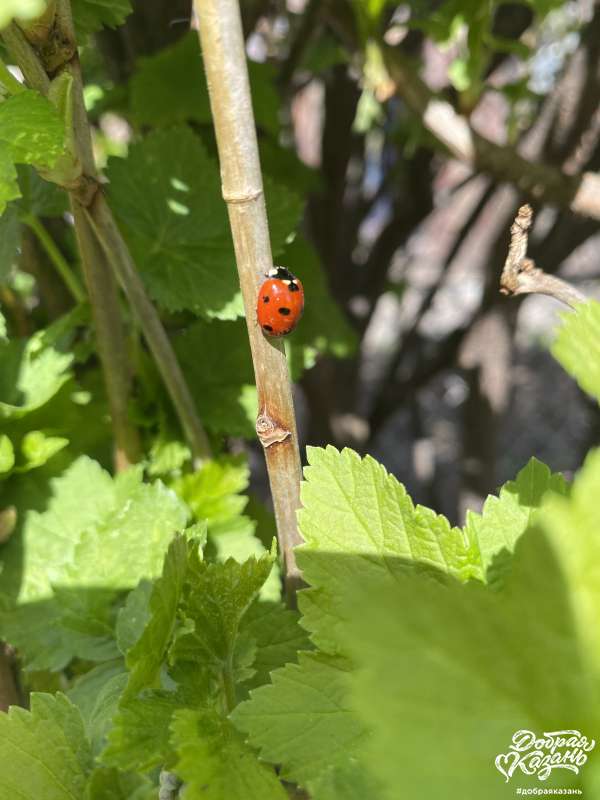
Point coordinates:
pixel 520 274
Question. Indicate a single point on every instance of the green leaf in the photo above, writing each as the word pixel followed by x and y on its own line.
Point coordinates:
pixel 304 720
pixel 44 544
pixel 213 491
pixel 145 658
pixel 447 673
pixel 214 762
pixel 167 199
pixel 7 454
pixel 97 694
pixel 43 752
pixel 506 518
pixel 107 783
pixel 37 448
pixel 90 16
pixel 33 370
pixel 31 129
pixel 139 739
pixel 219 596
pixel 39 197
pixel 572 525
pixel 141 524
pixel 10 239
pixel 352 506
pixel 68 543
pixel 278 637
pixel 577 346
pixel 9 188
pixel 170 88
pixel 216 360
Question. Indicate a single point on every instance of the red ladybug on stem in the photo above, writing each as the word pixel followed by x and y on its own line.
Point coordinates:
pixel 280 302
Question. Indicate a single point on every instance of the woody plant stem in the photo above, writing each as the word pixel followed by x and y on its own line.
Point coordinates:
pixel 105 254
pixel 223 50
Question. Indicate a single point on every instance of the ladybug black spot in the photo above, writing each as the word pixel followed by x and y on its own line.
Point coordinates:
pixel 294 287
pixel 268 328
pixel 266 298
pixel 284 311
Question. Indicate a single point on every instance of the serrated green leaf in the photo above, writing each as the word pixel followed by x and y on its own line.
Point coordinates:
pixel 145 658
pixel 43 752
pixel 97 694
pixel 304 720
pixel 216 359
pixel 170 88
pixel 353 506
pixel 577 346
pixel 506 518
pixel 455 670
pixel 167 199
pixel 31 129
pixel 7 454
pixel 139 739
pixel 214 762
pixel 219 596
pixel 90 16
pixel 22 9
pixel 213 491
pixel 33 370
pixel 278 637
pixel 38 553
pixel 141 526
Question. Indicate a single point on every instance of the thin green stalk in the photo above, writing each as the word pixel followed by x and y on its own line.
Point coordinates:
pixel 8 80
pixel 57 258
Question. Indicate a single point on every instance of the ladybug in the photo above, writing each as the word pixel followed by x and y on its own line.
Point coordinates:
pixel 280 302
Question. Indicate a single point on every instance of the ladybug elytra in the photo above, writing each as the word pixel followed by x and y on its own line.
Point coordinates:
pixel 280 302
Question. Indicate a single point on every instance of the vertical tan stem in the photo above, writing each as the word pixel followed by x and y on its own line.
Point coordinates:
pixel 224 56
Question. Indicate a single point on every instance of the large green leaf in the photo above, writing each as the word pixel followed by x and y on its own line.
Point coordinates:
pixel 166 196
pixel 305 721
pixel 577 346
pixel 170 87
pixel 43 752
pixel 352 506
pixel 449 672
pixel 214 762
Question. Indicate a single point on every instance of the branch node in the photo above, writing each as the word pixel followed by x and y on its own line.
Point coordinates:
pixel 269 431
pixel 244 197
pixel 520 274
